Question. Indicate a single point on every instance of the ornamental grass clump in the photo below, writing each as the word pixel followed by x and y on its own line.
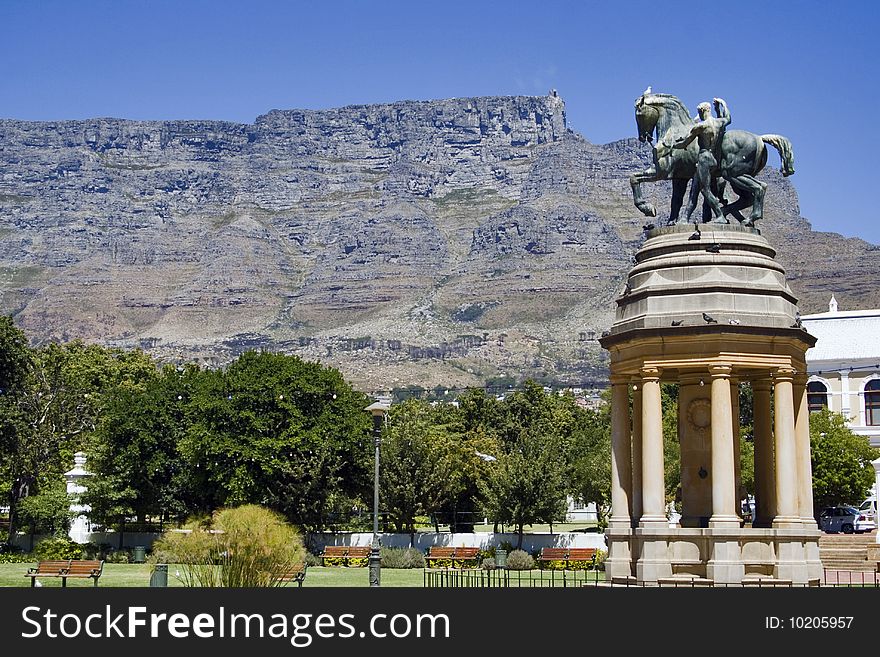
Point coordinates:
pixel 520 560
pixel 402 558
pixel 247 546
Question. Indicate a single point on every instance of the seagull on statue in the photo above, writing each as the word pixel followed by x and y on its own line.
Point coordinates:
pixel 735 321
pixel 709 319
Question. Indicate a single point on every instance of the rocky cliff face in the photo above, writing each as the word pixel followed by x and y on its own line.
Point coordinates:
pixel 432 243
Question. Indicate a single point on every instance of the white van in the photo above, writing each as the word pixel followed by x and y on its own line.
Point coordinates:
pixel 867 520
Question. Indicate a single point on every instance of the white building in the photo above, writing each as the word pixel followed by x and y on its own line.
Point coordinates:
pixel 844 367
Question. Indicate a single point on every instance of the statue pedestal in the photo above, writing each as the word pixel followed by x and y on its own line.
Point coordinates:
pixel 710 310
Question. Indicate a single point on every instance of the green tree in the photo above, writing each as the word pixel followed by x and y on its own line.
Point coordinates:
pixel 414 470
pixel 278 431
pixel 47 512
pixel 135 461
pixel 527 483
pixel 590 457
pixel 841 461
pixel 16 364
pixel 57 410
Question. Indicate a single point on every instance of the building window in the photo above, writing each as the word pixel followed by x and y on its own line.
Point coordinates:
pixel 872 403
pixel 817 396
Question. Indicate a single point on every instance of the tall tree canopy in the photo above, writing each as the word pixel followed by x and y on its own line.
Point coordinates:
pixel 841 460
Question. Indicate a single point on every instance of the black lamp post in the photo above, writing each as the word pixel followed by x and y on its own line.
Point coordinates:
pixel 377 410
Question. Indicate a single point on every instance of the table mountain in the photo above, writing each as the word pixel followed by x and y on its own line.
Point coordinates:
pixel 432 243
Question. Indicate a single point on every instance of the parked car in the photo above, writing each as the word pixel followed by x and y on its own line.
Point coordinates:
pixel 835 519
pixel 867 515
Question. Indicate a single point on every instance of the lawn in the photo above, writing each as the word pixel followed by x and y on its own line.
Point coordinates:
pixel 131 575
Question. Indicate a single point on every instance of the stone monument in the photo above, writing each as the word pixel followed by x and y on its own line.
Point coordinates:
pixel 707 306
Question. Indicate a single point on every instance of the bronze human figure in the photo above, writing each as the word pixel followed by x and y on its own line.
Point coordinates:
pixel 708 131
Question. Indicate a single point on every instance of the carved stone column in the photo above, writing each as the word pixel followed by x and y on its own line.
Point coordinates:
pixel 636 499
pixel 618 534
pixel 621 453
pixel 723 477
pixel 802 448
pixel 653 490
pixel 765 474
pixel 787 510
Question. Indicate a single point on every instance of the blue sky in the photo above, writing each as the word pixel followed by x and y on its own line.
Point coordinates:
pixel 807 70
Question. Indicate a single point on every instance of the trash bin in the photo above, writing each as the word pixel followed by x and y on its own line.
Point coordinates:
pixel 138 554
pixel 501 558
pixel 159 577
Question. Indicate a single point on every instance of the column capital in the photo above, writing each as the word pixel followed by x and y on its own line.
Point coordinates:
pixel 784 374
pixel 650 373
pixel 720 371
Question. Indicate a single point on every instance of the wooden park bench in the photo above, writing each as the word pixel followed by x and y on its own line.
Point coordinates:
pixel 452 557
pixel 75 568
pixel 294 574
pixel 345 555
pixel 584 557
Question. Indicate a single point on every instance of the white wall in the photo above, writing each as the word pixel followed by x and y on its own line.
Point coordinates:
pixel 424 540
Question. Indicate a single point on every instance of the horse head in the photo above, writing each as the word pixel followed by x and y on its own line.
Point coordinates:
pixel 647 116
pixel 657 113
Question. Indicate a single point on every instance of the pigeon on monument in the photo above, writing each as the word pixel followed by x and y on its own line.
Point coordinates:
pixel 714 248
pixel 735 321
pixel 677 322
pixel 709 319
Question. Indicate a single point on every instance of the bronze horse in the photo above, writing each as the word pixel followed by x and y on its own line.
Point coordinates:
pixel 742 156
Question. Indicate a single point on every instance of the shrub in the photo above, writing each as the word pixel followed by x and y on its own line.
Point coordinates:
pixel 13 554
pixel 599 560
pixel 57 548
pixel 247 546
pixel 488 563
pixel 118 556
pixel 402 558
pixel 92 551
pixel 520 560
pixel 312 560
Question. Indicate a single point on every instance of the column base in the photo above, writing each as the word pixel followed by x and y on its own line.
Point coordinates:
pixel 725 565
pixel 654 560
pixel 724 522
pixel 787 522
pixel 654 522
pixel 619 562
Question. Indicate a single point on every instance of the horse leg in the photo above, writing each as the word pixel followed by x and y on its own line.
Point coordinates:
pixel 635 181
pixel 692 199
pixel 744 200
pixel 679 187
pixel 705 164
pixel 754 191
